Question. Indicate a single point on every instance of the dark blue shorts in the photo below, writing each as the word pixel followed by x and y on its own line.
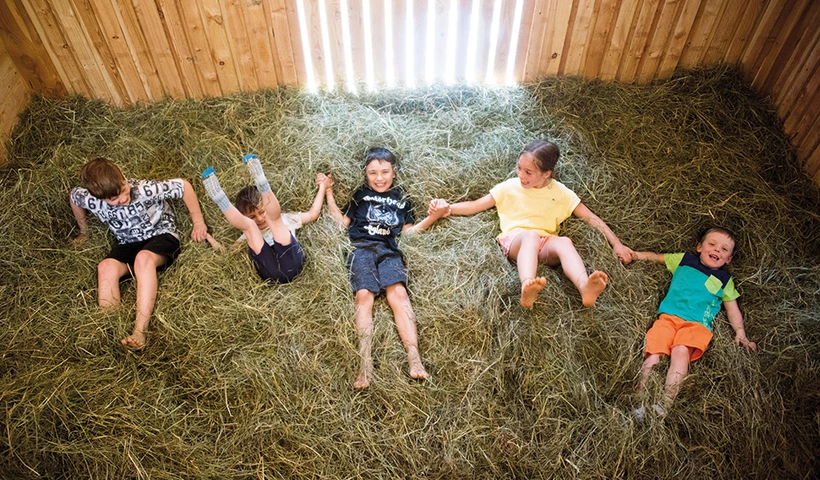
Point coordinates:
pixel 166 245
pixel 375 266
pixel 279 263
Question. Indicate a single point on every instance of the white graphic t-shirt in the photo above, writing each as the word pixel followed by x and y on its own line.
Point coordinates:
pixel 146 216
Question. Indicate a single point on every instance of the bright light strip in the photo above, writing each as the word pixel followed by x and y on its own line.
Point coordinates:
pixel 493 42
pixel 452 34
pixel 472 40
pixel 330 83
pixel 509 78
pixel 430 49
pixel 303 33
pixel 368 46
pixel 350 76
pixel 409 51
pixel 390 77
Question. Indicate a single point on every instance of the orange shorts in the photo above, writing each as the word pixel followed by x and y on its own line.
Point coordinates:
pixel 506 241
pixel 669 331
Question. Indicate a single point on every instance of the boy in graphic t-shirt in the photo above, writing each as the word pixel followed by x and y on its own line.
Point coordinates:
pixel 376 215
pixel 138 214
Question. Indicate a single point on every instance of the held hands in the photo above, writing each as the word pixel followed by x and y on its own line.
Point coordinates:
pixel 624 253
pixel 438 208
pixel 326 180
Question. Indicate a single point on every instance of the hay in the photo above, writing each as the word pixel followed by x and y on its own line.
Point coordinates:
pixel 241 379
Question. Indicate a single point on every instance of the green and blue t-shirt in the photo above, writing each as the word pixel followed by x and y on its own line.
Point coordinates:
pixel 697 292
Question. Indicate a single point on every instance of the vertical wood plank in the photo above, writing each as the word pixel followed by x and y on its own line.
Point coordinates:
pixel 677 41
pixel 259 41
pixel 619 40
pixel 205 67
pixel 563 11
pixel 658 40
pixel 183 56
pixel 26 49
pixel 782 47
pixel 538 28
pixel 806 109
pixel 214 23
pixel 238 44
pixel 806 59
pixel 631 60
pixel 523 41
pixel 582 26
pixel 378 40
pixel 761 39
pixel 50 30
pixel 155 36
pixel 137 45
pixel 15 94
pixel 748 20
pixel 397 30
pixel 287 43
pixel 606 17
pixel 726 25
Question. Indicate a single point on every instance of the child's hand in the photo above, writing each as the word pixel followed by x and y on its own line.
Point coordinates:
pixel 81 238
pixel 214 244
pixel 747 344
pixel 199 232
pixel 624 253
pixel 326 180
pixel 438 208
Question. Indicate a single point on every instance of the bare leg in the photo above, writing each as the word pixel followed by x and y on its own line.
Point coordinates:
pixel 145 273
pixel 560 250
pixel 109 272
pixel 406 324
pixel 524 251
pixel 234 217
pixel 678 369
pixel 646 369
pixel 273 211
pixel 364 330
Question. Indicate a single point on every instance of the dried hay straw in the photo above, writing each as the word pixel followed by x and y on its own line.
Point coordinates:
pixel 242 379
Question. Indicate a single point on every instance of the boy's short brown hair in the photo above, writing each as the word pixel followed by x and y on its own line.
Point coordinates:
pixel 102 178
pixel 248 199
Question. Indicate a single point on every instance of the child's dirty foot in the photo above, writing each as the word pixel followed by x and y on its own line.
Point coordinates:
pixel 363 380
pixel 417 370
pixel 529 290
pixel 135 341
pixel 594 287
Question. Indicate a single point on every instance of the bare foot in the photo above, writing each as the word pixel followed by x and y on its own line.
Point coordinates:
pixel 363 380
pixel 417 370
pixel 135 341
pixel 529 290
pixel 592 290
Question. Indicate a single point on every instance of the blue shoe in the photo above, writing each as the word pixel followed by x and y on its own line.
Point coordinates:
pixel 208 171
pixel 248 156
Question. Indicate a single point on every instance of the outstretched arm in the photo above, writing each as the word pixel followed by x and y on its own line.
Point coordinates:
pixel 736 320
pixel 323 181
pixel 624 253
pixel 200 231
pixel 649 256
pixel 436 210
pixel 334 210
pixel 464 208
pixel 82 224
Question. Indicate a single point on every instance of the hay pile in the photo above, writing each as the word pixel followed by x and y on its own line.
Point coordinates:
pixel 242 379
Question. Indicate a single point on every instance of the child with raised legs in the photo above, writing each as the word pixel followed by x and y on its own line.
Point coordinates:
pixel 375 216
pixel 137 212
pixel 683 329
pixel 272 246
pixel 530 210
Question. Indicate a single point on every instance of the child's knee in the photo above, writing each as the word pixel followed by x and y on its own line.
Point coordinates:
pixel 680 353
pixel 147 260
pixel 397 294
pixel 109 268
pixel 651 360
pixel 564 243
pixel 364 298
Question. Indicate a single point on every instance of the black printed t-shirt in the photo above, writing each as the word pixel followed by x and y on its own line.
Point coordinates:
pixel 378 216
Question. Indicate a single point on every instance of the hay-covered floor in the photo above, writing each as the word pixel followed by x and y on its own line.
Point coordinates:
pixel 246 380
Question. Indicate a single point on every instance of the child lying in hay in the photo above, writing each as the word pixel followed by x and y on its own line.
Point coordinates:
pixel 375 216
pixel 683 329
pixel 530 209
pixel 137 213
pixel 272 245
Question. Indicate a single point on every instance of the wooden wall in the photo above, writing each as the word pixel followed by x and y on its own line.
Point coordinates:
pixel 15 94
pixel 127 51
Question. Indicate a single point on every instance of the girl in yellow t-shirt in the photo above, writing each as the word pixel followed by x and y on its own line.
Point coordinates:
pixel 530 209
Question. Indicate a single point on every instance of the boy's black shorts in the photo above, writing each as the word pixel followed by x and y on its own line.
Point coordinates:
pixel 166 245
pixel 374 266
pixel 279 263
